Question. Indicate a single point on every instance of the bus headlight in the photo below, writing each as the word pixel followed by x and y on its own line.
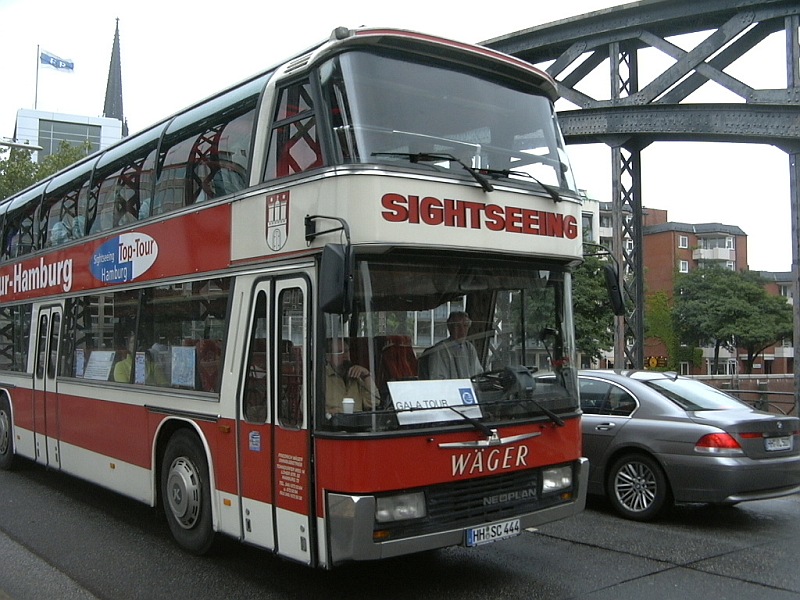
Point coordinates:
pixel 556 479
pixel 400 507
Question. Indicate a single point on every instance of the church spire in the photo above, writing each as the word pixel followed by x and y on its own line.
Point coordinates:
pixel 113 105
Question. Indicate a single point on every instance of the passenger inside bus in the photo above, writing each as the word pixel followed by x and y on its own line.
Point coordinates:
pixel 454 357
pixel 343 379
pixel 122 369
pixel 59 234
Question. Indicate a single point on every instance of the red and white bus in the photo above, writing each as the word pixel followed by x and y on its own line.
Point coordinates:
pixel 175 311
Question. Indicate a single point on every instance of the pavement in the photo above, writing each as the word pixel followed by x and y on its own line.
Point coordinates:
pixel 25 576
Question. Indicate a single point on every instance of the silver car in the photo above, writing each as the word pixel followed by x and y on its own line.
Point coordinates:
pixel 656 438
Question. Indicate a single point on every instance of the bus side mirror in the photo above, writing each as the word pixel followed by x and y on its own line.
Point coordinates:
pixel 336 279
pixel 614 293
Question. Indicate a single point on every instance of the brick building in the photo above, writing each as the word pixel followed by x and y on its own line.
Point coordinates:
pixel 670 248
pixel 778 359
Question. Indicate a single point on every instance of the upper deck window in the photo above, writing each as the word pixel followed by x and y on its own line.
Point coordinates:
pixel 294 143
pixel 20 223
pixel 59 221
pixel 205 160
pixel 430 115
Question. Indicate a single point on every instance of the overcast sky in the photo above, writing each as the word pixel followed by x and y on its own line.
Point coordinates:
pixel 175 52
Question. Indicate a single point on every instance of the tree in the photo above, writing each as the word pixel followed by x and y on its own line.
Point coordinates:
pixel 724 307
pixel 66 156
pixel 594 318
pixel 765 329
pixel 660 325
pixel 18 171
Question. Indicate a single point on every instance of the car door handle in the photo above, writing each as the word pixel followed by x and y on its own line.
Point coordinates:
pixel 605 426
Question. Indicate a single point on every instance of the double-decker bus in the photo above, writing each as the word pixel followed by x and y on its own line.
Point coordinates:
pixel 326 312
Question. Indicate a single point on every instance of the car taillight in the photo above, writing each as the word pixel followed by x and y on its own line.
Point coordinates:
pixel 720 444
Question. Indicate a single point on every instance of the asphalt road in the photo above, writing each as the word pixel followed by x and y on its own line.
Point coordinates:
pixel 62 538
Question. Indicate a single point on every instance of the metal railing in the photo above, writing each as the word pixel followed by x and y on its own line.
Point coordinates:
pixel 763 401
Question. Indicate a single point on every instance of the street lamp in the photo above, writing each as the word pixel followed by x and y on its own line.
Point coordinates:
pixel 14 144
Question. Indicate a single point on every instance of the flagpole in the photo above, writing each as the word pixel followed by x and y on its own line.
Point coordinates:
pixel 36 94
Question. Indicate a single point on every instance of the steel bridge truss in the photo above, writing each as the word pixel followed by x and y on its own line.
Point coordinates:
pixel 632 118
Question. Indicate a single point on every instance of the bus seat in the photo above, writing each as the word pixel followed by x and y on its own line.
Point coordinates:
pixel 360 351
pixel 397 361
pixel 424 364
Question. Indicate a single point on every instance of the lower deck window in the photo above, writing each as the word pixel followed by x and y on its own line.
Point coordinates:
pixel 167 336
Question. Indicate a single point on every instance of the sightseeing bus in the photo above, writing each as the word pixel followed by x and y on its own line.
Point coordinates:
pixel 179 311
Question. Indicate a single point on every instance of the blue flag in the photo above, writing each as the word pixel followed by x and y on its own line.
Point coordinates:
pixel 46 58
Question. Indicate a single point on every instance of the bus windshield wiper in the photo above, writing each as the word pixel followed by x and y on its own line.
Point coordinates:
pixel 485 430
pixel 548 413
pixel 551 191
pixel 417 157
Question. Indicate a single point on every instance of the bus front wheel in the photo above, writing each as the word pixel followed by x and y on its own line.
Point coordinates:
pixel 6 439
pixel 186 493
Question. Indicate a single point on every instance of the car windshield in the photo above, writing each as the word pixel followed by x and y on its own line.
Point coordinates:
pixel 439 118
pixel 437 342
pixel 694 395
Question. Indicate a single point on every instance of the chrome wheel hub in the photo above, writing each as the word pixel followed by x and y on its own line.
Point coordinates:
pixel 635 487
pixel 183 492
pixel 5 432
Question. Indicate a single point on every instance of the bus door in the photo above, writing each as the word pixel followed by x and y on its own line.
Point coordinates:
pixel 45 395
pixel 274 435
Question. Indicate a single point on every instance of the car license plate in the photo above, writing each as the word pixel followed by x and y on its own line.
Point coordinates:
pixel 491 533
pixel 773 444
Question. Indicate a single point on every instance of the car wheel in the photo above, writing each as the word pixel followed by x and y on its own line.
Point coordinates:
pixel 637 487
pixel 186 493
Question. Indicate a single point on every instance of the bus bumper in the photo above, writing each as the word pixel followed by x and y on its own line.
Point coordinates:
pixel 351 523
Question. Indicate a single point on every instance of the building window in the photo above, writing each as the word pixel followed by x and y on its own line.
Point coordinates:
pixel 586 222
pixel 725 367
pixel 683 241
pixel 683 266
pixel 52 133
pixel 684 368
pixel 729 243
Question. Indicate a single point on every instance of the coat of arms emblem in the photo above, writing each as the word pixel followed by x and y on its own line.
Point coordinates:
pixel 277 220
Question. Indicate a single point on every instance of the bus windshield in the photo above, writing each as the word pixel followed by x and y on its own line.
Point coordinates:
pixel 436 342
pixel 440 118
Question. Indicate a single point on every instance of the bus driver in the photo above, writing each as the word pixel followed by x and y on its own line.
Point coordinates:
pixel 455 357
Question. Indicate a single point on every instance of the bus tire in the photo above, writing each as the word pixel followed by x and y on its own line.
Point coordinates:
pixel 186 492
pixel 7 458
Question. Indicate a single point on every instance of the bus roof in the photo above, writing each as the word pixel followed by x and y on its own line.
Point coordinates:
pixel 341 38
